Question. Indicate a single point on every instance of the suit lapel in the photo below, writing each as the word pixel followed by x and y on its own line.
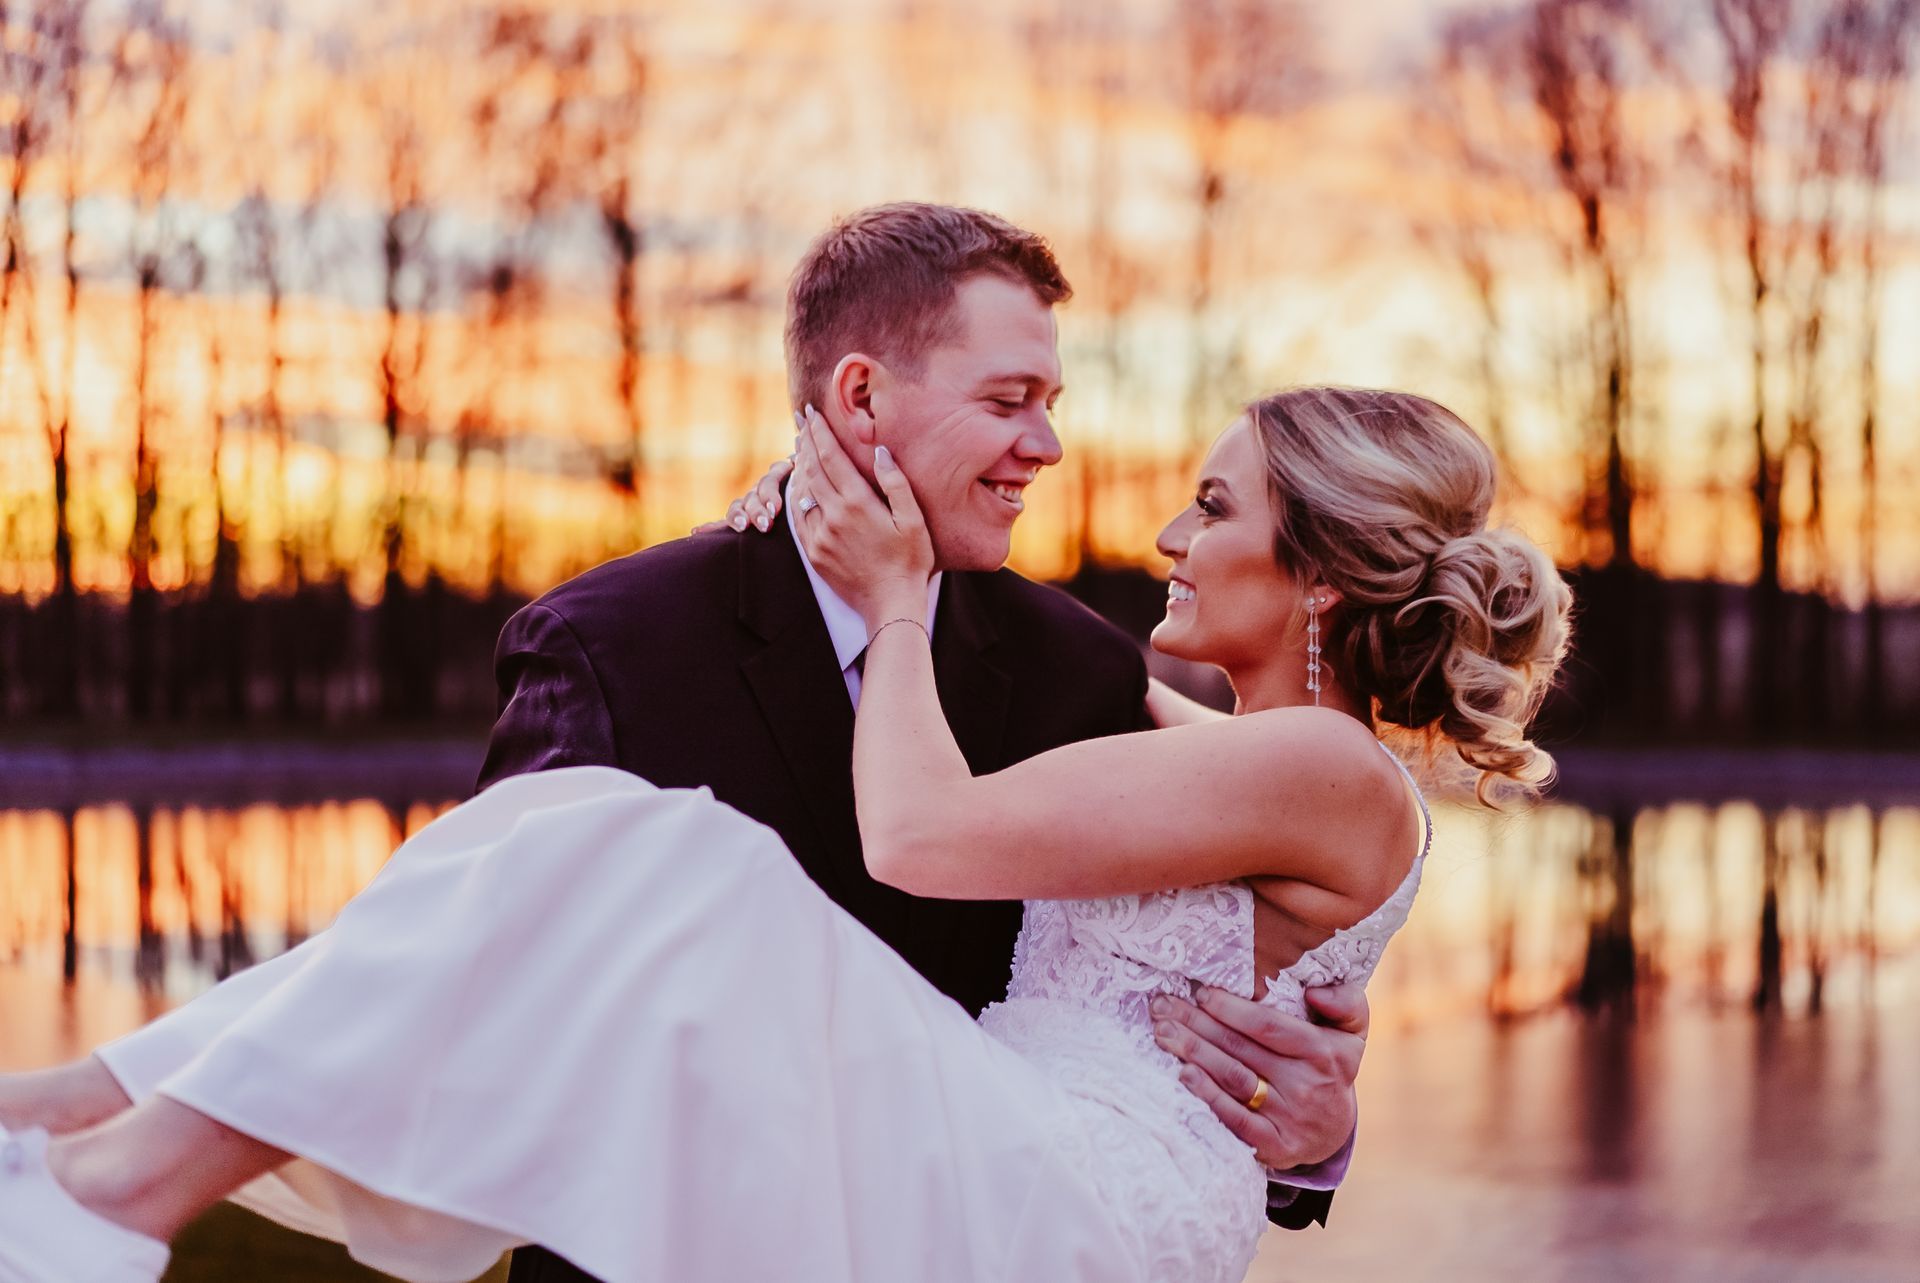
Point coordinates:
pixel 796 681
pixel 975 695
pixel 974 692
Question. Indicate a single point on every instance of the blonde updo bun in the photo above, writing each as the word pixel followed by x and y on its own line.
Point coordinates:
pixel 1451 630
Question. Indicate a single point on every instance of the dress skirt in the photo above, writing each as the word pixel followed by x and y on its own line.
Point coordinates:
pixel 621 1022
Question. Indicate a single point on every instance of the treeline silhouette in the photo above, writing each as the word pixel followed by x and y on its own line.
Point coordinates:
pixel 318 659
pixel 359 283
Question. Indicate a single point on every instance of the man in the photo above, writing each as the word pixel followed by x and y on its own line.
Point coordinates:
pixel 723 660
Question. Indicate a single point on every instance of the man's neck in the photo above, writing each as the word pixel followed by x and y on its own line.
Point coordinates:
pixel 845 627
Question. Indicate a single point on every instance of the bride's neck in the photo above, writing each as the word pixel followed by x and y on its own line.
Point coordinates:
pixel 1283 684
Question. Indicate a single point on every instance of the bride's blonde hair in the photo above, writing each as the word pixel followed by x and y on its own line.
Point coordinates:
pixel 1452 630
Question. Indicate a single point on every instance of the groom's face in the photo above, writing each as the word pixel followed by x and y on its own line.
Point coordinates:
pixel 975 428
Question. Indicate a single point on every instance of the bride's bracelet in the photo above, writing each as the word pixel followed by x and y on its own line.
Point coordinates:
pixel 903 619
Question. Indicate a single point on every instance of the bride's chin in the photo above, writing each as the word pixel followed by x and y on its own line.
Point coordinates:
pixel 1162 640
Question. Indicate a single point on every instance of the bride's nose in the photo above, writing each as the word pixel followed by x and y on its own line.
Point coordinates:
pixel 1172 540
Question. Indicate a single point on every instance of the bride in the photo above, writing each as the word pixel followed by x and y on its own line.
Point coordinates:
pixel 714 1073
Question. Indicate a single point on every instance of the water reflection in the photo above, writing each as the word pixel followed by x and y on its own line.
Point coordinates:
pixel 175 899
pixel 1623 1114
pixel 1610 909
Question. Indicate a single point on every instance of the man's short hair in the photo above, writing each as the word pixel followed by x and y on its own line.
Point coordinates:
pixel 883 280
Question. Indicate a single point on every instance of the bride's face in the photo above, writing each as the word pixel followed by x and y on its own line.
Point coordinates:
pixel 1228 602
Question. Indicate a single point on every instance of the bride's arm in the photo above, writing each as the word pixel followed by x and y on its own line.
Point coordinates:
pixel 1282 793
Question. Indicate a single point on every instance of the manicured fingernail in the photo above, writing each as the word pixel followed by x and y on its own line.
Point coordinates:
pixel 882 457
pixel 799 421
pixel 738 523
pixel 763 523
pixel 809 409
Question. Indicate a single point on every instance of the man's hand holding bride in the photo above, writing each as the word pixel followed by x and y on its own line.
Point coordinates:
pixel 1228 1045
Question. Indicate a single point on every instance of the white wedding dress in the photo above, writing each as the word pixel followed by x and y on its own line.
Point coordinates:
pixel 621 1022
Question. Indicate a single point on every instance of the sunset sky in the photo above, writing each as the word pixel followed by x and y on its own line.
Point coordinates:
pixel 762 122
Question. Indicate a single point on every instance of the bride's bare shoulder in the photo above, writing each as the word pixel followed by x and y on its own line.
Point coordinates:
pixel 1329 791
pixel 1320 741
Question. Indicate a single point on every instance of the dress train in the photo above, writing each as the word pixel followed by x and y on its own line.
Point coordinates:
pixel 621 1022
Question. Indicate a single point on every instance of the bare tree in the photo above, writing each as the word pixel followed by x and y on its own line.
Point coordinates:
pixel 612 148
pixel 1825 162
pixel 1083 73
pixel 259 242
pixel 1752 34
pixel 1239 58
pixel 1579 59
pixel 1883 37
pixel 1460 121
pixel 26 66
pixel 1556 77
pixel 150 62
pixel 533 61
pixel 1805 108
pixel 408 286
pixel 42 76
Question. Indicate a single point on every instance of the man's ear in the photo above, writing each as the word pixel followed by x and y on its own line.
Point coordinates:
pixel 850 398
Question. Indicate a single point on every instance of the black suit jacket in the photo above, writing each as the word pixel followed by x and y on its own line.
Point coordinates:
pixel 707 662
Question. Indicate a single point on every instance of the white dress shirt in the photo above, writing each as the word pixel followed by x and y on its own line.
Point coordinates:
pixel 844 624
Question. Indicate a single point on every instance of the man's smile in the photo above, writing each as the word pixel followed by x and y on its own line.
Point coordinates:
pixel 1008 492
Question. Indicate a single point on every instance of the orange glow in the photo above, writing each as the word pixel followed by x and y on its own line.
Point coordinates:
pixel 1324 270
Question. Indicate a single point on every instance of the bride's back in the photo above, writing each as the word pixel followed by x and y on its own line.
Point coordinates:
pixel 1084 973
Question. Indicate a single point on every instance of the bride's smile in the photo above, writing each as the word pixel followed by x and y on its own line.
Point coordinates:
pixel 1229 603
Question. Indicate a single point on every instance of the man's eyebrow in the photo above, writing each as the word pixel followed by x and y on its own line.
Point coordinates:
pixel 1022 376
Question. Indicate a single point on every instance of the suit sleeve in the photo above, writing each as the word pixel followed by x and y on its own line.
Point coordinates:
pixel 1137 698
pixel 552 709
pixel 1293 1208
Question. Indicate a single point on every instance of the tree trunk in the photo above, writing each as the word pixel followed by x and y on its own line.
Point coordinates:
pixel 61 696
pixel 142 607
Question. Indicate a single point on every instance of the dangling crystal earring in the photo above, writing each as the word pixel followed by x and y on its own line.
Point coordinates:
pixel 1313 648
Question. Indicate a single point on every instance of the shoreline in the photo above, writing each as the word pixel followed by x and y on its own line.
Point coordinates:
pixel 442 765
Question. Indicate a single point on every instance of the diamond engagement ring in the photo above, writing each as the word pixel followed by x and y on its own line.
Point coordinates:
pixel 806 503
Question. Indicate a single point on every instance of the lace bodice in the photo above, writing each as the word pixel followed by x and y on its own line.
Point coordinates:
pixel 1084 972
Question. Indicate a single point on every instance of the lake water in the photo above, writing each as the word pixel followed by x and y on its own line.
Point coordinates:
pixel 1660 1030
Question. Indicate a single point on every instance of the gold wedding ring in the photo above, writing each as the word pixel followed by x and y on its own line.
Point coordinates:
pixel 1259 1096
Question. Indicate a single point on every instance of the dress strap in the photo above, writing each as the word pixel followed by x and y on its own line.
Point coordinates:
pixel 1426 814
